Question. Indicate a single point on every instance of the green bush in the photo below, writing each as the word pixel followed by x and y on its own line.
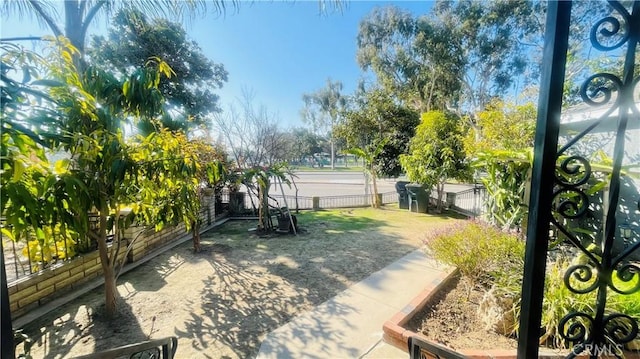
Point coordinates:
pixel 482 253
pixel 491 258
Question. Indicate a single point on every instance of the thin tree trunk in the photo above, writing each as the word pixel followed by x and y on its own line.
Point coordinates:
pixel 333 153
pixel 376 200
pixel 440 189
pixel 195 231
pixel 110 290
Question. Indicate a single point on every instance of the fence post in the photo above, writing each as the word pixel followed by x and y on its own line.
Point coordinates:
pixel 380 198
pixel 316 203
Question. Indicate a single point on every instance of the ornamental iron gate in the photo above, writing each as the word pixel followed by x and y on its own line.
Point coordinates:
pixel 584 202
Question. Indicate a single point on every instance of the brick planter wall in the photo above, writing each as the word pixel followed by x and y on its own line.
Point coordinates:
pixel 40 288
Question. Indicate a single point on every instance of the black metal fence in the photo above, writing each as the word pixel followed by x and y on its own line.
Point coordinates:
pixel 23 259
pixel 470 202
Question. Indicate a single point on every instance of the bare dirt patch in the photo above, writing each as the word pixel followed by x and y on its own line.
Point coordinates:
pixel 221 302
pixel 451 319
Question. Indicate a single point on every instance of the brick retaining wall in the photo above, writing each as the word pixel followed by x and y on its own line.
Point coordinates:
pixel 40 288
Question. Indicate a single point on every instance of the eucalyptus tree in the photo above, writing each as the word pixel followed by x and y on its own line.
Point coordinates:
pixel 458 57
pixel 322 110
pixel 417 59
pixel 133 39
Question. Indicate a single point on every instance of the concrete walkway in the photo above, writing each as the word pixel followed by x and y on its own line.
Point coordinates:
pixel 350 324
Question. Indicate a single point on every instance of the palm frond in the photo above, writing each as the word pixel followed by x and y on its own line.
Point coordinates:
pixel 44 12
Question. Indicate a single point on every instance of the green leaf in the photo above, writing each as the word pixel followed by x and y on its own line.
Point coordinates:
pixel 8 234
pixel 49 83
pixel 18 170
pixel 61 166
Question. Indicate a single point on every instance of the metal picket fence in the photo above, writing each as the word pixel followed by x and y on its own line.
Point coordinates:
pixel 17 257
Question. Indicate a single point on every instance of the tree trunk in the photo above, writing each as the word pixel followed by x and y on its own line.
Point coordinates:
pixel 110 290
pixel 440 189
pixel 263 208
pixel 376 200
pixel 333 153
pixel 195 232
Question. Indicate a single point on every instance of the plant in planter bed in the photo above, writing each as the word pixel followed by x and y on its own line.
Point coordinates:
pixel 493 261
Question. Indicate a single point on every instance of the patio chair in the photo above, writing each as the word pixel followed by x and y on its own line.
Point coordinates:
pixel 159 348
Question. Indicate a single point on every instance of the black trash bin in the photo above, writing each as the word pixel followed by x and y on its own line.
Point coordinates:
pixel 418 195
pixel 403 200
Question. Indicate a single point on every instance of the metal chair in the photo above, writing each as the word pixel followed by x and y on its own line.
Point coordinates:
pixel 420 349
pixel 159 348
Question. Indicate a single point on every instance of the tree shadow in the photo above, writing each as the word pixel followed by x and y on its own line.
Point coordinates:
pixel 247 297
pixel 59 332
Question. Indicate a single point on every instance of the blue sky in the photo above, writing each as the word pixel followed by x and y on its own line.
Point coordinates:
pixel 281 50
pixel 277 49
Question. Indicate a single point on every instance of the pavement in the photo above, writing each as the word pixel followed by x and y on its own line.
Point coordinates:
pixel 350 324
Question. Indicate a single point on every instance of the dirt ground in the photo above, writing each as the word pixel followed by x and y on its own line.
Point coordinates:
pixel 221 302
pixel 451 319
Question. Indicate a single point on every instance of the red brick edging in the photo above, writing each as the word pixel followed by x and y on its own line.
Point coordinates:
pixel 395 334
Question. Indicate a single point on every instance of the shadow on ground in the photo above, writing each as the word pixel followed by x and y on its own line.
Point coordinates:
pixel 223 301
pixel 262 283
pixel 60 331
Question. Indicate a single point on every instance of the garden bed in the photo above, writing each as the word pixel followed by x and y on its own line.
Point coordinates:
pixel 468 317
pixel 447 314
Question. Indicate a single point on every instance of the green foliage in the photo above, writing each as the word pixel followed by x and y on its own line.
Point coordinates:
pixel 48 243
pixel 506 178
pixel 156 176
pixel 133 39
pixel 480 252
pixel 460 55
pixel 504 127
pixel 374 117
pixel 436 152
pixel 416 59
pixel 492 258
pixel 369 154
pixel 261 176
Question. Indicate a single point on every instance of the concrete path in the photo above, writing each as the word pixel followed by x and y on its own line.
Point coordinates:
pixel 350 324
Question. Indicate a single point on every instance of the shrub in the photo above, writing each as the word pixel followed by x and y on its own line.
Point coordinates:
pixel 492 258
pixel 482 253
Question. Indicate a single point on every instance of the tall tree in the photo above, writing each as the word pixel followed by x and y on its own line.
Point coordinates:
pixel 105 171
pixel 417 59
pixel 458 57
pixel 322 110
pixel 489 36
pixel 373 117
pixel 436 152
pixel 133 39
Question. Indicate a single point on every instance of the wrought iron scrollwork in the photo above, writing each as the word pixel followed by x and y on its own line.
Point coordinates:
pixel 584 278
pixel 574 327
pixel 609 270
pixel 610 27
